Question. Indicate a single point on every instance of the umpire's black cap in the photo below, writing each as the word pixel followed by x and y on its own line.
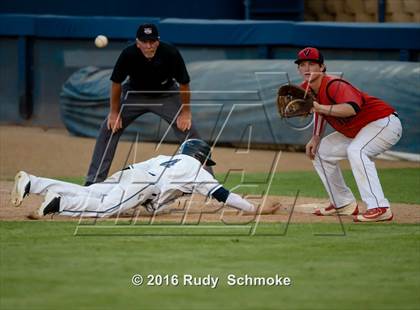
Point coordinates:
pixel 148 32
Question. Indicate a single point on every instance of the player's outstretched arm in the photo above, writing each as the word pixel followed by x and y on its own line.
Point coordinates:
pixel 235 201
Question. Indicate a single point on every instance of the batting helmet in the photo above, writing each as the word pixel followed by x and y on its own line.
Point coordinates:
pixel 198 149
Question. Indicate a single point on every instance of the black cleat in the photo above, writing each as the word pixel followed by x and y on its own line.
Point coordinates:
pixel 50 205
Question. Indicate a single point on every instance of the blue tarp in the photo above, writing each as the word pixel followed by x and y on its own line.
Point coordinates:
pixel 235 100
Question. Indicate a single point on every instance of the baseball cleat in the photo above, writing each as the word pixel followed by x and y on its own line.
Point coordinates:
pixel 374 215
pixel 50 205
pixel 350 209
pixel 20 188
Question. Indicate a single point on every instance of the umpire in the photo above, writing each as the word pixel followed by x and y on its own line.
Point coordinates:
pixel 157 69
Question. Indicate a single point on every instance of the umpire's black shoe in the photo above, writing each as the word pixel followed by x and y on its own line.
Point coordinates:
pixel 51 204
pixel 88 183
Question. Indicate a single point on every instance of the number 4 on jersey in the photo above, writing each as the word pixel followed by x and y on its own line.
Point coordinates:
pixel 170 163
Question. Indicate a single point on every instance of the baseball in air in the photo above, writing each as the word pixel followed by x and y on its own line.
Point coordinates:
pixel 101 41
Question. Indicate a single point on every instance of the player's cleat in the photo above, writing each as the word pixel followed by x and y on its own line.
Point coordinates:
pixel 20 188
pixel 350 209
pixel 50 205
pixel 374 215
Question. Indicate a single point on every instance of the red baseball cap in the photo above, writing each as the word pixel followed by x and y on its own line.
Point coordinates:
pixel 311 54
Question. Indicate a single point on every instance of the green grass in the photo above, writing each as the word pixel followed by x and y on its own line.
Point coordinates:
pixel 44 266
pixel 399 185
pixel 373 266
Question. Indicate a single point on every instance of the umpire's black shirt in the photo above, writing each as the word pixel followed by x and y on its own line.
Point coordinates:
pixel 155 74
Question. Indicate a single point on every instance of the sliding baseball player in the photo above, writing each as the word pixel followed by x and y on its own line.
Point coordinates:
pixel 154 183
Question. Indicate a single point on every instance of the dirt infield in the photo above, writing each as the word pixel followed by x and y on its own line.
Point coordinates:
pixel 54 153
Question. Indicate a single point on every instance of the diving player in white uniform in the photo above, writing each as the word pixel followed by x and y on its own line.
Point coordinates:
pixel 154 183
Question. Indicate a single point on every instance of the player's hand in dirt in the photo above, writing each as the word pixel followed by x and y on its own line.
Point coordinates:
pixel 114 122
pixel 183 122
pixel 266 210
pixel 312 147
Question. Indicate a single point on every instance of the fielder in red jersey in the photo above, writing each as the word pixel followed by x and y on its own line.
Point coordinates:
pixel 365 127
pixel 334 90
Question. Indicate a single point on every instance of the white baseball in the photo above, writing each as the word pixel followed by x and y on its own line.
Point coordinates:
pixel 101 41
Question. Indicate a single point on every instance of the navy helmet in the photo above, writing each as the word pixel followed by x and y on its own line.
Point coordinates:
pixel 198 149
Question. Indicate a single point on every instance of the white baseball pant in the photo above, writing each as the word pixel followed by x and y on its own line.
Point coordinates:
pixel 375 138
pixel 120 192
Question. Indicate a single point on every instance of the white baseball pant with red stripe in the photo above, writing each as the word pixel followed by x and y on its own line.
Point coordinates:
pixel 375 138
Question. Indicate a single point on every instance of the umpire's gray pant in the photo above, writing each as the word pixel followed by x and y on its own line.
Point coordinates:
pixel 166 106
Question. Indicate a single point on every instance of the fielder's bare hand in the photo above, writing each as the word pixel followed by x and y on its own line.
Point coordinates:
pixel 114 122
pixel 312 146
pixel 183 122
pixel 317 107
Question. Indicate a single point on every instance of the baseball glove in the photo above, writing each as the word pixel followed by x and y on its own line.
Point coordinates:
pixel 293 101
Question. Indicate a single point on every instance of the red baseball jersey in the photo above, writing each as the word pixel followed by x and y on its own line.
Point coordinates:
pixel 334 90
